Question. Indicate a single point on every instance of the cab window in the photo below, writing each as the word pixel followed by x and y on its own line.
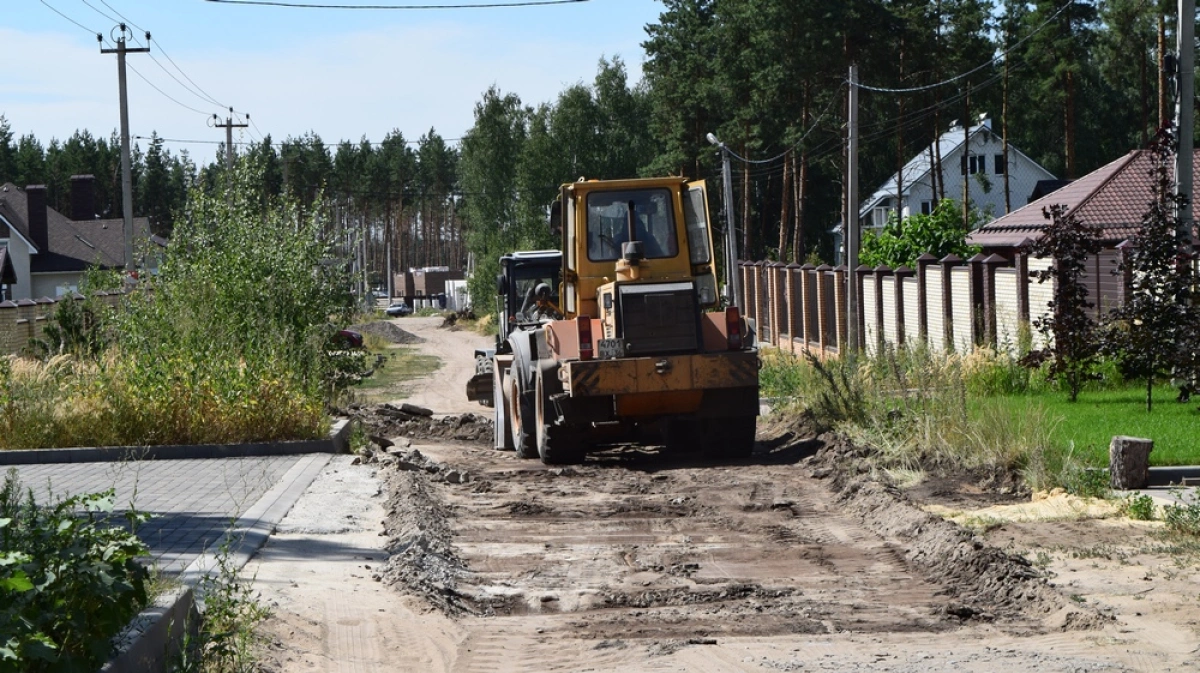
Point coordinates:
pixel 653 221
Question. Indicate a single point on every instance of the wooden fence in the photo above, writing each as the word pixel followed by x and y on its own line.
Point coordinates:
pixel 950 303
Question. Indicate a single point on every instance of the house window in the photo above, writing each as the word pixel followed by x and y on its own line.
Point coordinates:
pixel 974 164
pixel 999 165
pixel 880 213
pixel 927 207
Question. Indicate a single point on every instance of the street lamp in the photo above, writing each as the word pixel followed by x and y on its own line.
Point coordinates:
pixel 733 284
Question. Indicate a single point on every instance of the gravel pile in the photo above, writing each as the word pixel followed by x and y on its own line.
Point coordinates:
pixel 388 331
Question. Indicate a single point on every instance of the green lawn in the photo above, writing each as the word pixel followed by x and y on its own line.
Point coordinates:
pixel 1097 416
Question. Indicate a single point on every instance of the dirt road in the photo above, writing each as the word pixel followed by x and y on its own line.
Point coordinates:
pixel 456 557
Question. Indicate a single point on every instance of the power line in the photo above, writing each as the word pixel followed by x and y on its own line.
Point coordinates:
pixel 166 95
pixel 305 5
pixel 189 141
pixel 89 30
pixel 194 89
pixel 185 76
pixel 995 59
pixel 794 145
pixel 123 17
pixel 97 10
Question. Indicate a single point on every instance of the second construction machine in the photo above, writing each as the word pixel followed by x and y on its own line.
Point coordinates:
pixel 635 348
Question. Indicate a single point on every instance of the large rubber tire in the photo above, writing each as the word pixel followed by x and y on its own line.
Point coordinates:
pixel 730 438
pixel 522 417
pixel 502 436
pixel 557 442
pixel 684 437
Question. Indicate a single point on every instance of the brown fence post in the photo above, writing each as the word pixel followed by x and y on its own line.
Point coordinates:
pixel 978 306
pixel 1022 263
pixel 923 263
pixel 878 274
pixel 808 290
pixel 763 329
pixel 860 276
pixel 824 311
pixel 948 262
pixel 898 285
pixel 744 269
pixel 795 304
pixel 778 301
pixel 839 307
pixel 991 329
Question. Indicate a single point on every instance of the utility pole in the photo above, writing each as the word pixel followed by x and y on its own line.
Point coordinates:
pixel 733 280
pixel 1185 103
pixel 1185 114
pixel 126 169
pixel 850 222
pixel 229 126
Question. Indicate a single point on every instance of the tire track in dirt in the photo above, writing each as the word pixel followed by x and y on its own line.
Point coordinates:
pixel 614 551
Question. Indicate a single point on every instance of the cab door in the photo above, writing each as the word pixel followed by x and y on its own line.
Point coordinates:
pixel 700 245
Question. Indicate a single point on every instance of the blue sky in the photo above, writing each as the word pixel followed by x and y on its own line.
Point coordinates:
pixel 344 74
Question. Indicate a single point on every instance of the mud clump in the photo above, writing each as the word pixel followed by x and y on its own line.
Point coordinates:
pixel 415 423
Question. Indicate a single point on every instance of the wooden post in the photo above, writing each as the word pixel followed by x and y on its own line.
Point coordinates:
pixel 898 290
pixel 795 304
pixel 808 304
pixel 879 272
pixel 991 327
pixel 825 312
pixel 948 262
pixel 1129 462
pixel 923 263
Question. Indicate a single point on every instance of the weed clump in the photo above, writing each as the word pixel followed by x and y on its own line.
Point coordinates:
pixel 232 340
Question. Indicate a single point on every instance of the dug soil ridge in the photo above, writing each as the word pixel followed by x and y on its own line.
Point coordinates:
pixel 985 582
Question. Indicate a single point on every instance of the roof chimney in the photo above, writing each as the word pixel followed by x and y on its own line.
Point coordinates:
pixel 83 197
pixel 985 121
pixel 35 200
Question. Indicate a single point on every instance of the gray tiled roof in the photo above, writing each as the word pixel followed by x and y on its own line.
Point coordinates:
pixel 73 245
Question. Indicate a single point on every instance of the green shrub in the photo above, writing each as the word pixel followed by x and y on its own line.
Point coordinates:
pixel 228 639
pixel 1184 518
pixel 1138 507
pixel 232 341
pixel 69 580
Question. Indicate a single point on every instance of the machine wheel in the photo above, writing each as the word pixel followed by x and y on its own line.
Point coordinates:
pixel 684 436
pixel 522 417
pixel 557 442
pixel 730 438
pixel 502 437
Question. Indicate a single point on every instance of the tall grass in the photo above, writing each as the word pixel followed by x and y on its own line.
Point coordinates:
pixel 229 342
pixel 921 410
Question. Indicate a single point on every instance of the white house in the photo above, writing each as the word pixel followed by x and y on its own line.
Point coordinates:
pixel 44 253
pixel 974 157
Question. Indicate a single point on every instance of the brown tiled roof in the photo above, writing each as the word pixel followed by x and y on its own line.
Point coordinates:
pixel 73 245
pixel 1112 198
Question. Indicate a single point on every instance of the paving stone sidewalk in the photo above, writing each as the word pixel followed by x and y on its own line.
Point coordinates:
pixel 193 502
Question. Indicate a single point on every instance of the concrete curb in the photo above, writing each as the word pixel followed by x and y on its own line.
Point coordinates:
pixel 156 634
pixel 337 442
